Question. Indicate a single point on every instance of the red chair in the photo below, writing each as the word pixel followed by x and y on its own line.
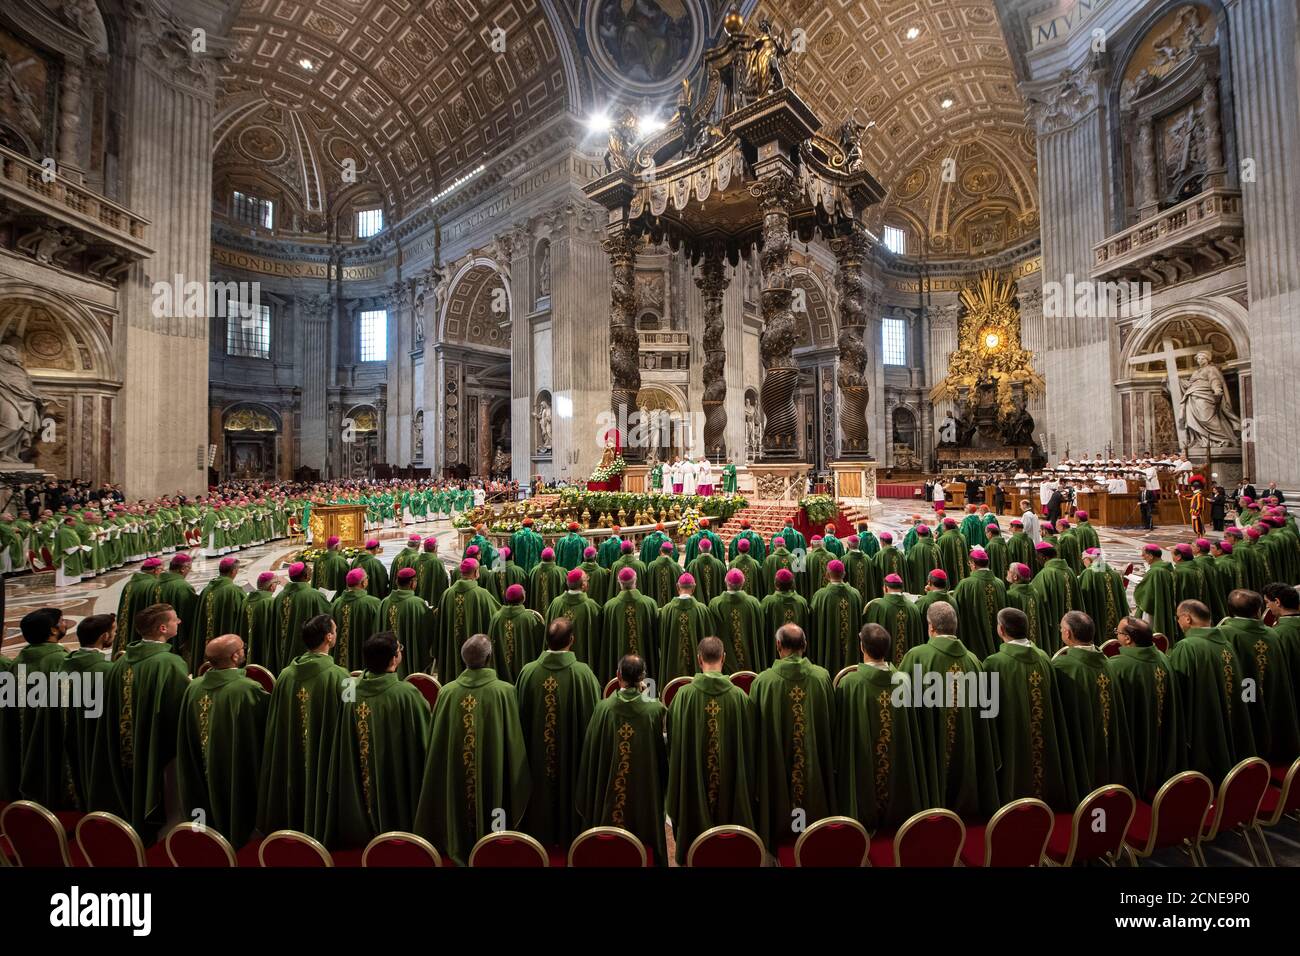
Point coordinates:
pixel 1279 802
pixel 726 846
pixel 1111 648
pixel 1076 838
pixel 289 848
pixel 674 685
pixel 1175 818
pixel 399 849
pixel 929 838
pixel 428 686
pixel 844 672
pixel 611 687
pixel 833 841
pixel 1161 642
pixel 1016 836
pixel 1237 806
pixel 508 848
pixel 106 840
pixel 188 844
pixel 607 847
pixel 260 674
pixel 37 837
pixel 744 679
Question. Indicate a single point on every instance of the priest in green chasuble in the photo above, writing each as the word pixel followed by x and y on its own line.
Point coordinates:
pixel 783 605
pixel 356 612
pixel 889 560
pixel 750 569
pixel 219 748
pixel 95 636
pixel 44 775
pixel 1215 575
pixel 487 578
pixel 259 627
pixel 879 780
pixel 526 546
pixel 405 558
pixel 598 577
pixel 936 590
pixel 568 550
pixel 860 571
pixel 757 549
pixel 652 544
pixel 1067 546
pixel 738 620
pixel 141 591
pixel 516 633
pixel 484 553
pixel 972 527
pixel 705 533
pixel 777 560
pixel 897 615
pixel 627 559
pixel 958 748
pixel 300 730
pixel 1145 685
pixel 814 571
pixel 661 575
pixel 405 614
pixel 795 775
pixel 220 610
pixel 953 551
pixel 330 570
pixel 1020 547
pixel 1154 595
pixel 466 610
pixel 831 543
pixel 1267 665
pixel 1058 594
pixel 1189 583
pixel 979 598
pixel 476 777
pixel 921 558
pixel 791 538
pixel 381 741
pixel 376 573
pixel 1283 601
pixel 545 582
pixel 576 605
pixel 1085 532
pixel 1022 595
pixel 431 577
pixel 683 623
pixel 836 611
pixel 629 625
pixel 1102 593
pixel 711 757
pixel 294 606
pixel 611 548
pixel 557 694
pixel 1030 724
pixel 996 548
pixel 175 589
pixel 624 768
pixel 708 572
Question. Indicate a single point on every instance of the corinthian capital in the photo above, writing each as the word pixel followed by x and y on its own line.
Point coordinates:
pixel 776 191
pixel 1064 102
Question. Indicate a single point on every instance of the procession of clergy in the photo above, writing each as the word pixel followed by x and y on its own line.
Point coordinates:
pixel 554 663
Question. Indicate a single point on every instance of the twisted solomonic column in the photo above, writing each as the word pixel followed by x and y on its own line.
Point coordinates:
pixel 851 253
pixel 712 282
pixel 777 195
pixel 624 346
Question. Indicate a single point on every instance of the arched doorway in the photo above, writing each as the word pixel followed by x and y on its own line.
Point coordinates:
pixel 905 439
pixel 360 440
pixel 250 433
pixel 666 430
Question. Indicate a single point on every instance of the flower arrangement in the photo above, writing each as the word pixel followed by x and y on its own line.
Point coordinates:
pixel 690 523
pixel 311 555
pixel 819 508
pixel 612 470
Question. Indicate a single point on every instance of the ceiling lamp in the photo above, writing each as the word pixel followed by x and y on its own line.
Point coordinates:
pixel 460 181
pixel 913 32
pixel 946 102
pixel 308 64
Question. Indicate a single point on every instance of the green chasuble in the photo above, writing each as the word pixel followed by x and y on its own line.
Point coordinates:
pixel 753 572
pixel 1031 729
pixel 1217 723
pixel 557 694
pixel 708 572
pixel 861 572
pixel 477 765
pixel 836 611
pixel 518 635
pixel 650 545
pixel 599 581
pixel 1058 593
pixel 141 590
pixel 889 560
pixel 738 620
pixel 1287 629
pixel 585 614
pixel 1218 575
pixel 1252 564
pixel 954 556
pixel 683 623
pixel 381 740
pixel 909 539
pixel 1100 745
pixel 933 597
pixel 899 616
pixel 868 542
pixel 466 610
pixel 624 769
pixel 136 736
pixel 545 583
pixel 958 749
pixel 628 560
pixel 1086 535
pixel 405 558
pixel 356 617
pixel 833 544
pixel 608 551
pixel 777 559
pixel 1104 598
pixel 693 544
pixel 1144 684
pixel 45 777
pixel 1020 549
pixel 781 607
pixel 406 615
pixel 1067 546
pixel 661 578
pixel 1189 584
pixel 376 574
pixel 729 479
pixel 330 572
pixel 296 604
pixel 919 562
pixel 794 541
pixel 299 743
pixel 711 768
pixel 175 590
pixel 1272 706
pixel 1025 597
pixel 999 560
pixel 757 548
pixel 972 530
pixel 880 782
pixel 430 578
pixel 568 550
pixel 795 710
pixel 979 598
pixel 219 750
pixel 629 625
pixel 814 574
pixel 11 748
pixel 258 627
pixel 79 727
pixel 220 610
pixel 487 554
pixel 1154 598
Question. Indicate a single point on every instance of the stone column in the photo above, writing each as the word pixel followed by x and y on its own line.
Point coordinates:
pixel 777 194
pixel 314 314
pixel 70 117
pixel 851 376
pixel 1149 203
pixel 712 283
pixel 1213 133
pixel 397 303
pixel 624 345
pixel 523 302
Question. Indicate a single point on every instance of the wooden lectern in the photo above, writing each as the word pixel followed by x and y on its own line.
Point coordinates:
pixel 346 521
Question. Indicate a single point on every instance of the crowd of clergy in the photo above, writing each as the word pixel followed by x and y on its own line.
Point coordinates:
pixel 554 663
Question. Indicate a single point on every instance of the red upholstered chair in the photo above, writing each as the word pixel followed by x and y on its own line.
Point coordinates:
pixel 1236 808
pixel 188 844
pixel 1016 836
pixel 929 838
pixel 1074 838
pixel 1279 802
pixel 726 846
pixel 611 687
pixel 395 848
pixel 607 847
pixel 260 674
pixel 508 848
pixel 37 837
pixel 1111 648
pixel 743 679
pixel 289 848
pixel 426 685
pixel 1175 818
pixel 843 672
pixel 833 841
pixel 107 840
pixel 674 685
pixel 1161 642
